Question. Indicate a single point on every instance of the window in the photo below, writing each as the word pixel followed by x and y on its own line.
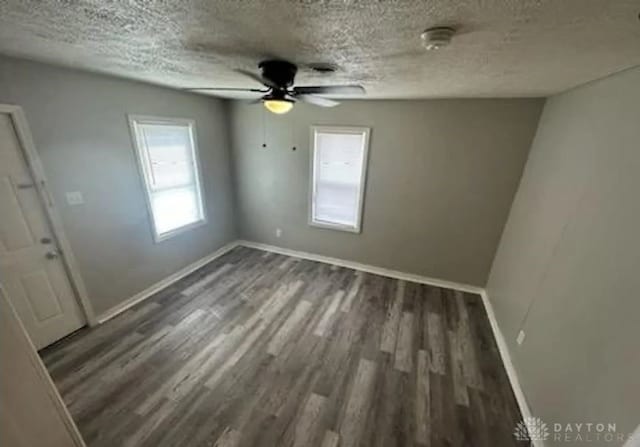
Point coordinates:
pixel 339 160
pixel 168 160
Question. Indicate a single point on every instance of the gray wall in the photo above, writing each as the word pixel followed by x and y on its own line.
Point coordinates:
pixel 441 177
pixel 79 124
pixel 568 267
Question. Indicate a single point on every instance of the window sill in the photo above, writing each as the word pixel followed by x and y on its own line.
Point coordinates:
pixel 157 238
pixel 334 226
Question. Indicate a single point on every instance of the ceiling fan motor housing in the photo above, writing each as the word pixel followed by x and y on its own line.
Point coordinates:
pixel 281 73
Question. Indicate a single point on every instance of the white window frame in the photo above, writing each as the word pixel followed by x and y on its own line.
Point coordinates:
pixel 350 130
pixel 134 121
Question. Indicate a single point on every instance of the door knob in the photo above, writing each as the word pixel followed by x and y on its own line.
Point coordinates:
pixel 51 254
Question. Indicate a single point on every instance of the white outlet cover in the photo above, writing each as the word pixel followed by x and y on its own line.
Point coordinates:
pixel 521 336
pixel 74 198
pixel 278 232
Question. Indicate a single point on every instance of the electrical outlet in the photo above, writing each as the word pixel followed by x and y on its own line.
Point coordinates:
pixel 278 232
pixel 74 198
pixel 521 336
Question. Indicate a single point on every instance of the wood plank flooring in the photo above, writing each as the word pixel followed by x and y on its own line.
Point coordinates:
pixel 260 349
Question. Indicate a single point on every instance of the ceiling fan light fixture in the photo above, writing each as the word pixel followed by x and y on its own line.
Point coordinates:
pixel 279 93
pixel 278 106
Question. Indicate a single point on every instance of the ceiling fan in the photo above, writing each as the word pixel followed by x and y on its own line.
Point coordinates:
pixel 280 94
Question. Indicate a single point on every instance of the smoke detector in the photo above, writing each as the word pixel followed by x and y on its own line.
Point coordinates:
pixel 437 37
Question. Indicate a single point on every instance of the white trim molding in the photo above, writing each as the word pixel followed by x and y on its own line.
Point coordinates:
pixel 497 333
pixel 141 149
pixel 508 363
pixel 22 342
pixel 166 282
pixel 634 439
pixel 346 130
pixel 365 267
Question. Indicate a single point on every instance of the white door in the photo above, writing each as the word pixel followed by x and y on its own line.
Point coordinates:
pixel 31 269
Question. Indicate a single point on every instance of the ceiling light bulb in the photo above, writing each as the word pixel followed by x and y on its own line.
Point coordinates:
pixel 278 106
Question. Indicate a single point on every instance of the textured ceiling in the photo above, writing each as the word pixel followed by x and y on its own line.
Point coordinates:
pixel 504 47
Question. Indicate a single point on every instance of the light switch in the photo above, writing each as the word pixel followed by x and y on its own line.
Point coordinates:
pixel 74 198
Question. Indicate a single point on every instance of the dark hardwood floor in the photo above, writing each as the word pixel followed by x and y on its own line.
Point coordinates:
pixel 260 349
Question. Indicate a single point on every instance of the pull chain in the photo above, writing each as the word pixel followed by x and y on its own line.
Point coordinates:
pixel 264 128
pixel 293 134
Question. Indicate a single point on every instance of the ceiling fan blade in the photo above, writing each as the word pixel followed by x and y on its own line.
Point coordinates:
pixel 330 90
pixel 256 78
pixel 317 100
pixel 227 89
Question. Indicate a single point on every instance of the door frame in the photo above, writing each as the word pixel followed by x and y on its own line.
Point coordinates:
pixel 32 160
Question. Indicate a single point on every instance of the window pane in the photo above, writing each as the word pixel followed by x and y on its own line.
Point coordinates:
pixel 169 154
pixel 338 173
pixel 174 208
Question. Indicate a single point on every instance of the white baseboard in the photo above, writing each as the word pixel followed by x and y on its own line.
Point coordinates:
pixel 155 288
pixel 508 364
pixel 365 267
pixel 497 333
pixel 634 439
